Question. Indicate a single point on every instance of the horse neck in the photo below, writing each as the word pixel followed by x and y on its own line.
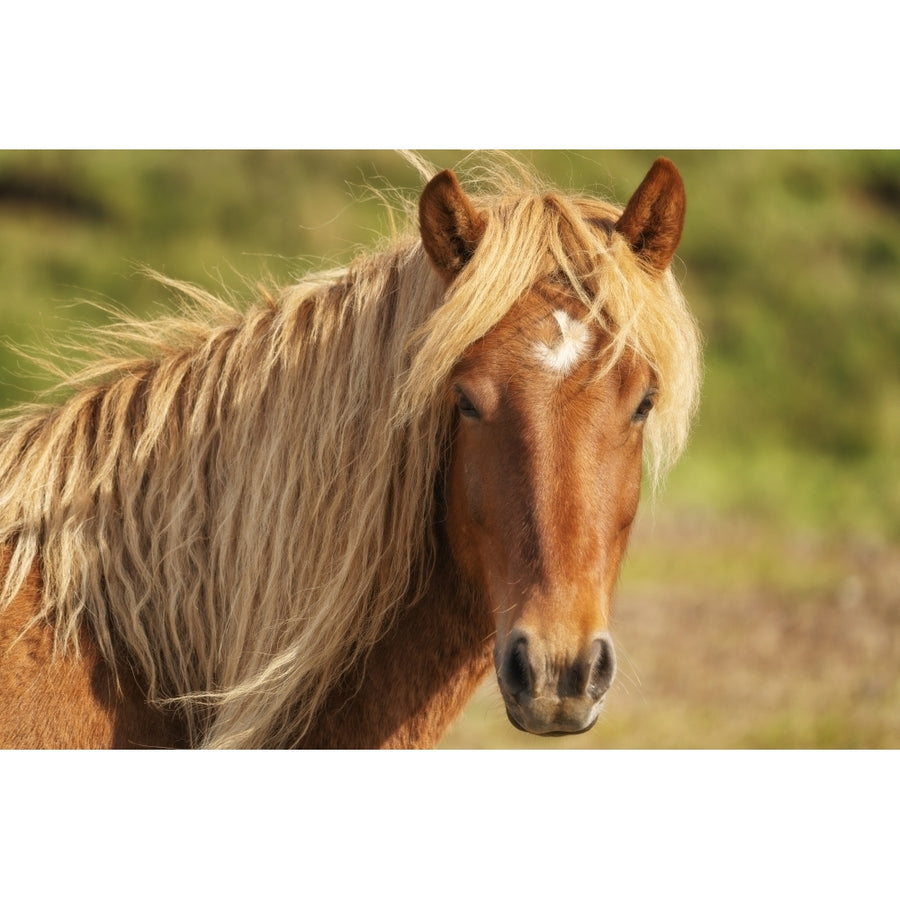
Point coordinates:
pixel 419 676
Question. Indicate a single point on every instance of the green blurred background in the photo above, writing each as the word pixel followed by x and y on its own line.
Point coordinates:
pixel 759 603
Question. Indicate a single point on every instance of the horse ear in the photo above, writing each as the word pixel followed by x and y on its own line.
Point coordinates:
pixel 451 229
pixel 654 217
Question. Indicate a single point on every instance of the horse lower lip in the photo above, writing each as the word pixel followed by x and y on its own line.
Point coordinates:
pixel 549 734
pixel 587 727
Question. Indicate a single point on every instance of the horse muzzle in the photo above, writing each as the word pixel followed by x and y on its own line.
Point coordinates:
pixel 547 696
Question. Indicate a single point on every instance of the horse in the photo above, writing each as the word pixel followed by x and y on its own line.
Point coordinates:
pixel 319 520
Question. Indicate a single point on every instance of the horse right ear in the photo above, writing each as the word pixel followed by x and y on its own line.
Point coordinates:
pixel 654 217
pixel 450 227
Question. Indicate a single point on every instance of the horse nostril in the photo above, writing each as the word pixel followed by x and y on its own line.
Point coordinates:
pixel 603 668
pixel 516 671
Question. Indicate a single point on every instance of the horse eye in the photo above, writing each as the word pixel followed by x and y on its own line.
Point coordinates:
pixel 465 406
pixel 643 410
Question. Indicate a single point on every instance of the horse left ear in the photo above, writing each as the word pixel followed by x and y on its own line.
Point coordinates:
pixel 451 228
pixel 653 220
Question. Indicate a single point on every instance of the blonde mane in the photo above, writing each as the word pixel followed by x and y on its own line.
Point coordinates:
pixel 239 503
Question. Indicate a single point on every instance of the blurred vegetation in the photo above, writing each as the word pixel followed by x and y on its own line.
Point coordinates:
pixel 790 260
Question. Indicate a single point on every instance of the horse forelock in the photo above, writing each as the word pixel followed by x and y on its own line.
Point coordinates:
pixel 570 239
pixel 239 502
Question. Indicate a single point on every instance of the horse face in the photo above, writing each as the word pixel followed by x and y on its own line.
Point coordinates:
pixel 545 470
pixel 543 487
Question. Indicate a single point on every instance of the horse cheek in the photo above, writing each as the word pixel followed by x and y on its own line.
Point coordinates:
pixel 466 515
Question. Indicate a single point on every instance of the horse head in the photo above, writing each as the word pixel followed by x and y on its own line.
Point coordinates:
pixel 545 468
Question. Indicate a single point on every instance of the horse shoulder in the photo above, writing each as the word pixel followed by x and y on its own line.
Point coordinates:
pixel 67 700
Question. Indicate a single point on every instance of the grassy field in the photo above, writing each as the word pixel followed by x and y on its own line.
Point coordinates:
pixel 760 601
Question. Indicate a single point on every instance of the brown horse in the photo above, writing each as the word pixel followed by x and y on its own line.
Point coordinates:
pixel 316 522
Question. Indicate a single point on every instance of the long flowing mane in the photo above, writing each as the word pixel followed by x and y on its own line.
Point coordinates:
pixel 236 502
